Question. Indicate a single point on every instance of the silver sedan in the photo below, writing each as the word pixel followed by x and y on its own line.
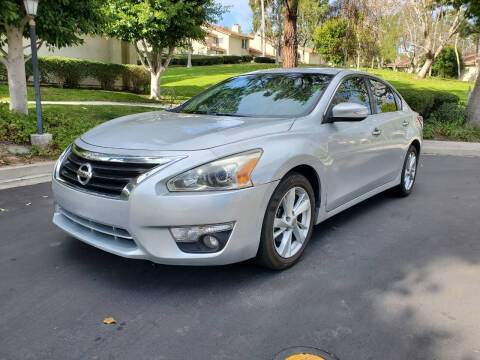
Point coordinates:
pixel 245 169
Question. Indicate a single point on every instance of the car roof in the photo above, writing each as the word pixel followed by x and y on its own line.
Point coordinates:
pixel 328 71
pixel 313 70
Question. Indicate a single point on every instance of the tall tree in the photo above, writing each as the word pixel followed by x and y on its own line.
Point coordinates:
pixel 273 28
pixel 157 27
pixel 439 21
pixel 59 24
pixel 290 43
pixel 329 40
pixel 473 106
pixel 311 14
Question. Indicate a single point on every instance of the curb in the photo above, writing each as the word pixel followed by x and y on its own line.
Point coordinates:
pixel 454 148
pixel 14 176
pixel 22 175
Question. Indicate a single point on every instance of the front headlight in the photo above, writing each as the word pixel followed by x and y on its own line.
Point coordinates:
pixel 232 172
pixel 59 162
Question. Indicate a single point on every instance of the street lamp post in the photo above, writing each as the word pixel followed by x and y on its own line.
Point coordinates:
pixel 39 139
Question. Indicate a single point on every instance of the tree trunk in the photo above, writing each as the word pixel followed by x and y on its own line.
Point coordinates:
pixel 373 63
pixel 264 43
pixel 459 67
pixel 155 85
pixel 422 74
pixel 17 82
pixel 473 106
pixel 290 44
pixel 189 58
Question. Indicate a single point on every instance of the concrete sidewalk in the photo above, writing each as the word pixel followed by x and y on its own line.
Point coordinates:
pixel 105 103
pixel 14 176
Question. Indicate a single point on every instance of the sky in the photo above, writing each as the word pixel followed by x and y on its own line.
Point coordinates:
pixel 239 13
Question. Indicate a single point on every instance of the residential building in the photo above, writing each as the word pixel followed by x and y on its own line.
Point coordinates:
pixel 222 41
pixel 469 72
pixel 306 54
pixel 472 62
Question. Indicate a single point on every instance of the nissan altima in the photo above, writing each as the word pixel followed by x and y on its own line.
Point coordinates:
pixel 243 170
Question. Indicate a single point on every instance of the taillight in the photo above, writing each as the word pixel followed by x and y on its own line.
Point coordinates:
pixel 420 120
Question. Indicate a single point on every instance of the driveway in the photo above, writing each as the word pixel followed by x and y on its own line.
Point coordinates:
pixel 388 279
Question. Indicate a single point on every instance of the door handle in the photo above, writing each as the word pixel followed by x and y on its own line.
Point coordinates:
pixel 405 123
pixel 376 132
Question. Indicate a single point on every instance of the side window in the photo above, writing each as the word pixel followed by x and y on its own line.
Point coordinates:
pixel 352 90
pixel 383 96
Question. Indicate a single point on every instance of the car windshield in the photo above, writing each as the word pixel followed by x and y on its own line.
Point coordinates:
pixel 261 95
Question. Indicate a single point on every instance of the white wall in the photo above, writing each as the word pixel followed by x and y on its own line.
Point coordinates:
pixel 96 48
pixel 470 73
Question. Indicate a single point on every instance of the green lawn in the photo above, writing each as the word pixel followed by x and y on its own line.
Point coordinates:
pixel 57 94
pixel 406 81
pixel 183 83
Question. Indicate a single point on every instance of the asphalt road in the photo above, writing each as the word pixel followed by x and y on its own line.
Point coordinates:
pixel 388 279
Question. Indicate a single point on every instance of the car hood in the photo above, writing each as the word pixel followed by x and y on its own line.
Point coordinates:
pixel 164 130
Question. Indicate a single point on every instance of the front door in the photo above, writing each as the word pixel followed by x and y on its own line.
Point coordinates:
pixel 353 148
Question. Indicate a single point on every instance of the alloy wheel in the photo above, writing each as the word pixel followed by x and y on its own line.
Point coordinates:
pixel 410 171
pixel 292 222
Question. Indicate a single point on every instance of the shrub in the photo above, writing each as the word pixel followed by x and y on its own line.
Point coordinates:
pixel 264 59
pixel 137 78
pixel 449 112
pixel 105 73
pixel 247 58
pixel 426 101
pixel 65 72
pixel 3 72
pixel 15 127
pixel 197 60
pixel 445 64
pixel 232 59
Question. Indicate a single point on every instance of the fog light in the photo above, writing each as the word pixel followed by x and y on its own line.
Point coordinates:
pixel 211 242
pixel 202 239
pixel 190 234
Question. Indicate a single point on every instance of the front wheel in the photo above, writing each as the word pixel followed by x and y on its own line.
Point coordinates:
pixel 288 223
pixel 409 172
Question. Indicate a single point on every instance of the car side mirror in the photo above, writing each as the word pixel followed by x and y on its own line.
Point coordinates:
pixel 348 111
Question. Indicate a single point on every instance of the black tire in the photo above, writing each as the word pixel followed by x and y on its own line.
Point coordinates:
pixel 401 190
pixel 267 255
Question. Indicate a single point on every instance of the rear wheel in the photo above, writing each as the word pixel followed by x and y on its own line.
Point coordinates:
pixel 409 172
pixel 288 223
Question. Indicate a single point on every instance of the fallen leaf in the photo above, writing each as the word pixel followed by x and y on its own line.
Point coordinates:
pixel 109 320
pixel 28 204
pixel 2 210
pixel 44 196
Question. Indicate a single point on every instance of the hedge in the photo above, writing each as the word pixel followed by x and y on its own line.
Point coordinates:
pixel 426 102
pixel 69 73
pixel 264 59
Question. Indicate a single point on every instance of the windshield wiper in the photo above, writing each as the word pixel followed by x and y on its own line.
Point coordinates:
pixel 227 114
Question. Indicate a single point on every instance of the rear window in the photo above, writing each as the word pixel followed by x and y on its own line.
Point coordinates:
pixel 261 95
pixel 384 100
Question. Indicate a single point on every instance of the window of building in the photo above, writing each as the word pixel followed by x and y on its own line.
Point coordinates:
pixel 244 43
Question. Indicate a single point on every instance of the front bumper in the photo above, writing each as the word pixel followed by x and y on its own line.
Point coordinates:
pixel 139 227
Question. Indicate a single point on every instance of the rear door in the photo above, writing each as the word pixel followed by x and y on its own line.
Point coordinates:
pixel 392 123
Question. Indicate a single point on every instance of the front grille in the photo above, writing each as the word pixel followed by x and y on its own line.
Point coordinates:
pixel 108 177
